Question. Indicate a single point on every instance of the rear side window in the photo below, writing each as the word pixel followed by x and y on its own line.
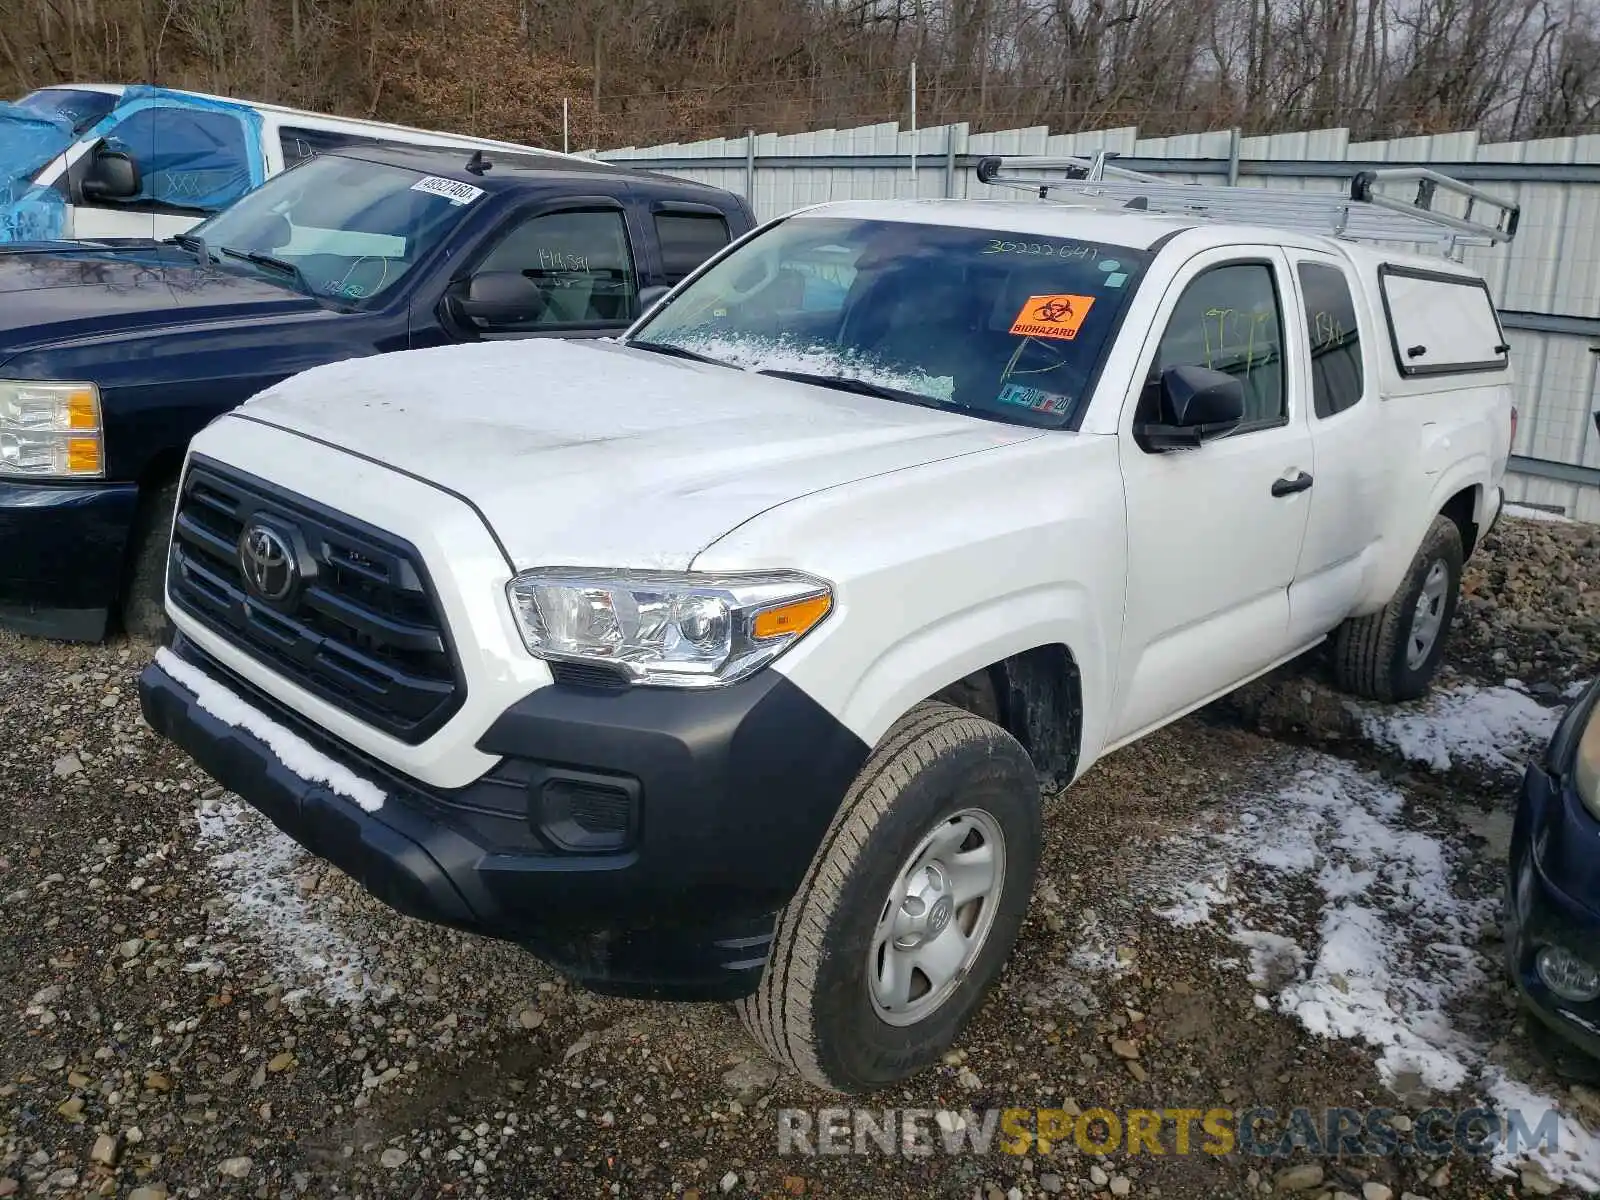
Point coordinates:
pixel 688 239
pixel 1441 324
pixel 1337 380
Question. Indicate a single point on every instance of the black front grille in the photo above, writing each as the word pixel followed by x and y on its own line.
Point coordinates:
pixel 362 631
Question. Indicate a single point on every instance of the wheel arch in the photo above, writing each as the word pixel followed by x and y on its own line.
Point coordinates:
pixel 1036 696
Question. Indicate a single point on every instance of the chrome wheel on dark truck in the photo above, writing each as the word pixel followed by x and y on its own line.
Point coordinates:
pixel 910 908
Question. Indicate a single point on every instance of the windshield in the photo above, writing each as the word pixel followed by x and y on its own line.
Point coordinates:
pixel 1001 325
pixel 79 107
pixel 339 227
pixel 28 140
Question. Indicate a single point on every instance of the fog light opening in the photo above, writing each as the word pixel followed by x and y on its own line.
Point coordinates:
pixel 1567 975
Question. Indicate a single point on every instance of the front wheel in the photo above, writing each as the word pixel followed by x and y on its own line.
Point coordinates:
pixel 910 908
pixel 144 606
pixel 1394 653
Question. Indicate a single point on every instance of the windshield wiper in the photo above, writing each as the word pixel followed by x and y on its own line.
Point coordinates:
pixel 849 383
pixel 281 265
pixel 672 351
pixel 195 245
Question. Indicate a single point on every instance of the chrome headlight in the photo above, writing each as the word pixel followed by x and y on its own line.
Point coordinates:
pixel 667 628
pixel 51 430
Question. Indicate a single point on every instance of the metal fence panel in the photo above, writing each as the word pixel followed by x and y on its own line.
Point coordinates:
pixel 1547 282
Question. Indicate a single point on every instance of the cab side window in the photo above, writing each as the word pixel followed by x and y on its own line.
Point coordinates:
pixel 1337 379
pixel 687 240
pixel 189 160
pixel 578 261
pixel 1229 319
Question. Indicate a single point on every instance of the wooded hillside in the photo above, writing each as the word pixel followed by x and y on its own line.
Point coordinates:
pixel 646 71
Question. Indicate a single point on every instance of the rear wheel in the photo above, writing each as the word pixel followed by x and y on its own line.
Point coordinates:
pixel 1394 653
pixel 144 609
pixel 910 909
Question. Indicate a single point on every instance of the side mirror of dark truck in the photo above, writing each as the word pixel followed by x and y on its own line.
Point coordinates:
pixel 497 299
pixel 1197 405
pixel 112 175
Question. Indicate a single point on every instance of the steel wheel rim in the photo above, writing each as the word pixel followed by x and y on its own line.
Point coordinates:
pixel 1428 617
pixel 937 917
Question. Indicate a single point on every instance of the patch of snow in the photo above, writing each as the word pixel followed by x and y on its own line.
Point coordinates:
pixel 292 750
pixel 1271 956
pixel 1194 899
pixel 1523 512
pixel 1495 727
pixel 1576 688
pixel 764 353
pixel 255 866
pixel 1390 949
pixel 1575 1157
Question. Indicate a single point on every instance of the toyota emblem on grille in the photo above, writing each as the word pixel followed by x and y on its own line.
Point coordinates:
pixel 267 559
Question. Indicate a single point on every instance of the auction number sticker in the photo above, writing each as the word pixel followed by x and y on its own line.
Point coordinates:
pixel 452 190
pixel 1052 317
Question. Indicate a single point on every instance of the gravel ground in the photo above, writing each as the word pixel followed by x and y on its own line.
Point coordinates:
pixel 1284 900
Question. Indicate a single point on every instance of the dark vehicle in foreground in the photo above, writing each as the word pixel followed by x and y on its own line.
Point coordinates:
pixel 1552 914
pixel 113 355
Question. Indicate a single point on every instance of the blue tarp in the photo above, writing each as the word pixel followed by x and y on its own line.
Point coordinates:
pixel 195 154
pixel 192 153
pixel 28 140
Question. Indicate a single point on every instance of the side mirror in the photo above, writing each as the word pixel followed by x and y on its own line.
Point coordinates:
pixel 1198 405
pixel 498 298
pixel 648 296
pixel 112 175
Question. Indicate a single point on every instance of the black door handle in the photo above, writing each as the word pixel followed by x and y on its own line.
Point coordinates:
pixel 1288 487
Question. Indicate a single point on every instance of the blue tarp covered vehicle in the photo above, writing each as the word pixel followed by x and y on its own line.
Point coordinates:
pixel 191 156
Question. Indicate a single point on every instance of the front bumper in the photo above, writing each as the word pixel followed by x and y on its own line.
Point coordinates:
pixel 1553 882
pixel 62 553
pixel 712 805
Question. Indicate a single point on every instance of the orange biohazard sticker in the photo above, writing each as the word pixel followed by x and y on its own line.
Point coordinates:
pixel 1052 316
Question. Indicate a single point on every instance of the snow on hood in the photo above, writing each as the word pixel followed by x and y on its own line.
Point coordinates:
pixel 594 454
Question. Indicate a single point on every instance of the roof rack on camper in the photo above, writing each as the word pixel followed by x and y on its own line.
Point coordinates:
pixel 1365 214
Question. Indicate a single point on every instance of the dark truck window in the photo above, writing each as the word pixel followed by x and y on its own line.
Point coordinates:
pixel 581 262
pixel 1336 375
pixel 688 239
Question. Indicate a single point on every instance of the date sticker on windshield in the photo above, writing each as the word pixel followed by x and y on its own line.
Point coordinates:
pixel 1027 397
pixel 452 190
pixel 1052 317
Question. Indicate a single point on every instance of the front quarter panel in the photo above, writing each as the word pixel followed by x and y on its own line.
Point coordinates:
pixel 160 388
pixel 941 570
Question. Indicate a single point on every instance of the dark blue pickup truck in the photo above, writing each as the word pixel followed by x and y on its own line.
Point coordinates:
pixel 113 355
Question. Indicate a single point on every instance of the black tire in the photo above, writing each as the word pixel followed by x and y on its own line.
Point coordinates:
pixel 144 609
pixel 1370 654
pixel 813 1011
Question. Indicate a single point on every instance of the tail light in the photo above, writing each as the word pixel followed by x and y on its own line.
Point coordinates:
pixel 1513 425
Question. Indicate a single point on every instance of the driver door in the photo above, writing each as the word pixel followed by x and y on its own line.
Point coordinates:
pixel 1214 533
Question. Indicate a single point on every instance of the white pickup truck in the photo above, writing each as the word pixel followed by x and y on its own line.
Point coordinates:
pixel 732 658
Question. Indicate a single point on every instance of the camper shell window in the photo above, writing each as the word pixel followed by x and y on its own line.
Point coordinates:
pixel 1441 323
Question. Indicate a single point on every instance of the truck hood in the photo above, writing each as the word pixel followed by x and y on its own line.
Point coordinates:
pixel 594 454
pixel 55 295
